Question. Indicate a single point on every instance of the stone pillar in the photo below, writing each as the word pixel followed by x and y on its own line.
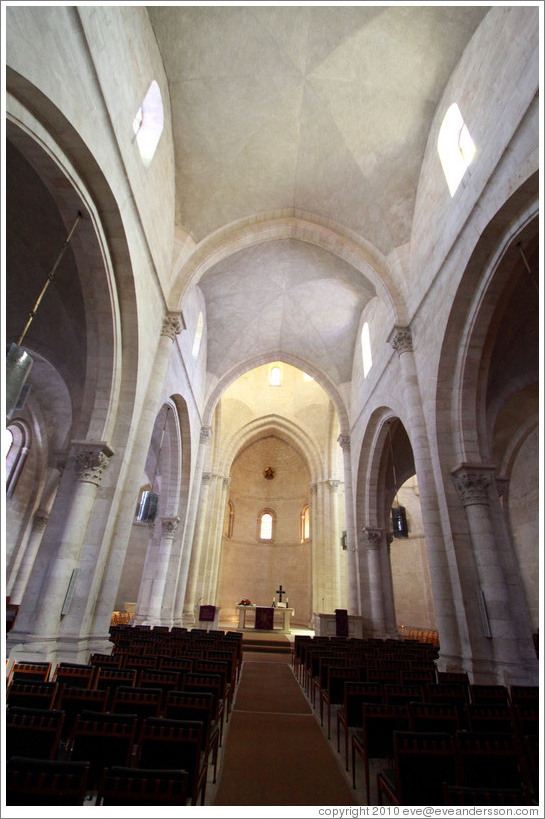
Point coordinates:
pixel 388 588
pixel 372 542
pixel 160 564
pixel 354 593
pixel 334 542
pixel 172 325
pixel 445 609
pixel 317 593
pixel 472 481
pixel 218 540
pixel 35 538
pixel 187 578
pixel 90 462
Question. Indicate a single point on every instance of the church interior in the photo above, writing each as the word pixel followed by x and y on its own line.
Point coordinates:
pixel 272 324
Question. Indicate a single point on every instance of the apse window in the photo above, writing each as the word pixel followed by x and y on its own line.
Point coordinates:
pixel 307 377
pixel 305 524
pixel 275 376
pixel 366 349
pixel 148 123
pixel 455 147
pixel 265 526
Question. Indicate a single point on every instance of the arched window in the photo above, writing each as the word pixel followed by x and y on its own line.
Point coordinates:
pixel 148 123
pixel 229 519
pixel 198 335
pixel 146 508
pixel 18 446
pixel 455 147
pixel 275 376
pixel 266 525
pixel 305 524
pixel 366 349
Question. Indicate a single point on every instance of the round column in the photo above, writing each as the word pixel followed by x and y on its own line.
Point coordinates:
pixel 372 541
pixel 161 560
pixel 354 597
pixel 445 609
pixel 472 481
pixel 38 528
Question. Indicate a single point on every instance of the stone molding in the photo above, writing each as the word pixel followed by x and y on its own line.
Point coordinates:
pixel 401 340
pixel 91 462
pixel 205 434
pixel 371 538
pixel 472 482
pixel 169 526
pixel 344 442
pixel 41 518
pixel 313 487
pixel 172 325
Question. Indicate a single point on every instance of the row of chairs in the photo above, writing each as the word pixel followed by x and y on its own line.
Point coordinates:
pixel 100 742
pixel 435 769
pixel 374 739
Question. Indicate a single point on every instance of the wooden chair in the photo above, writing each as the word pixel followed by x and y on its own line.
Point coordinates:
pixel 221 667
pixel 144 702
pixel 75 674
pixel 33 728
pixel 45 782
pixel 386 676
pixel 24 671
pixel 376 738
pixel 414 676
pixel 212 684
pixel 178 744
pixel 453 676
pixel 137 786
pixel 398 694
pixel 423 762
pixel 433 717
pixel 460 795
pixel 489 694
pixel 519 694
pixel 451 692
pixel 74 700
pixel 106 660
pixel 32 694
pixel 526 718
pixel 196 707
pixel 487 760
pixel 103 740
pixel 112 678
pixel 333 694
pixel 528 751
pixel 160 678
pixel 349 714
pixel 485 717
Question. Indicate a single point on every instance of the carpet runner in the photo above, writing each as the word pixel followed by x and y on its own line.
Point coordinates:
pixel 275 752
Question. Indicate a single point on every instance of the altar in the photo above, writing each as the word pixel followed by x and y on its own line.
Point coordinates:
pixel 265 618
pixel 325 625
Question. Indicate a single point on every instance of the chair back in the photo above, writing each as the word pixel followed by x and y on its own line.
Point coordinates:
pixel 489 694
pixel 33 728
pixel 32 694
pixel 398 694
pixel 136 786
pixel 433 717
pixel 74 700
pixel 177 744
pixel 460 795
pixel 486 717
pixel 423 762
pixel 75 674
pixel 24 671
pixel 103 739
pixel 45 782
pixel 379 722
pixel 486 759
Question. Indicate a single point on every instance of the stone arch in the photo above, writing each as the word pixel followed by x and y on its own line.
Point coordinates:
pixel 295 361
pixel 303 227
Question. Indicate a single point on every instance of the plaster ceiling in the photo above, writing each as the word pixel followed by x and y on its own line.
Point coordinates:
pixel 322 110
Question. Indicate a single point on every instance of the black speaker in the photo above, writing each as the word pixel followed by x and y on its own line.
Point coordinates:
pixel 399 522
pixel 344 541
pixel 148 507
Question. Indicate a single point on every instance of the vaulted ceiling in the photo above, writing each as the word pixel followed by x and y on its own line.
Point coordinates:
pixel 318 111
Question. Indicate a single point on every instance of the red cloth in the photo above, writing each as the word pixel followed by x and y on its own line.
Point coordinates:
pixel 341 622
pixel 207 613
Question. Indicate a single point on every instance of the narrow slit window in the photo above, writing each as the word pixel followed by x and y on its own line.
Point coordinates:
pixel 148 123
pixel 265 529
pixel 455 146
pixel 275 376
pixel 198 336
pixel 366 349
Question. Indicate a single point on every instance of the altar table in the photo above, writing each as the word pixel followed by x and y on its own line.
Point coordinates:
pixel 325 625
pixel 283 628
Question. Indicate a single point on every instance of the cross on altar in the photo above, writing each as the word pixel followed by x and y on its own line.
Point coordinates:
pixel 280 592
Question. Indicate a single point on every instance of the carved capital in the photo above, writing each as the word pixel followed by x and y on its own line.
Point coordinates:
pixel 40 519
pixel 502 484
pixel 333 485
pixel 172 325
pixel 344 442
pixel 169 526
pixel 91 462
pixel 472 483
pixel 206 477
pixel 205 434
pixel 227 482
pixel 401 340
pixel 371 538
pixel 313 488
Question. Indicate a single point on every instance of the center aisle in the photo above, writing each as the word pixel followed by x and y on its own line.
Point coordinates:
pixel 275 752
